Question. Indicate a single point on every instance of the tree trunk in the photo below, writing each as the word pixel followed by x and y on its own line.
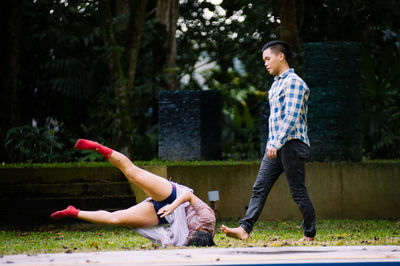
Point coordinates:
pixel 11 18
pixel 135 27
pixel 123 66
pixel 288 30
pixel 167 13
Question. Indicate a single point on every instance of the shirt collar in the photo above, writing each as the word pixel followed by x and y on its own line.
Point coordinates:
pixel 284 74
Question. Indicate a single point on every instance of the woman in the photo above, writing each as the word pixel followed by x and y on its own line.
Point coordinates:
pixel 191 221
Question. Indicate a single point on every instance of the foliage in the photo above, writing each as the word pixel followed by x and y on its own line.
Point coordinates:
pixel 358 20
pixel 229 40
pixel 90 238
pixel 376 27
pixel 64 75
pixel 65 78
pixel 62 66
pixel 381 100
pixel 223 50
pixel 32 144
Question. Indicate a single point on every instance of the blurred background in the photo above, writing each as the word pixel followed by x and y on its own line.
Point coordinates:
pixel 94 69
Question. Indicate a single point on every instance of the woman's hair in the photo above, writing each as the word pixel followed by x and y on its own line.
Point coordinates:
pixel 201 239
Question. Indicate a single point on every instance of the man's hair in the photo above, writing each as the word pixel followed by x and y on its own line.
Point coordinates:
pixel 201 239
pixel 279 46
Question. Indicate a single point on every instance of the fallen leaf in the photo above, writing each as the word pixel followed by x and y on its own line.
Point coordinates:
pixel 95 245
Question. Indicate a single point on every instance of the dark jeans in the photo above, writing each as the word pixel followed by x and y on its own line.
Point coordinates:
pixel 291 159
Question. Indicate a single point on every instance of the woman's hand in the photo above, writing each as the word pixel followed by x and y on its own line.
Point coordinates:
pixel 166 210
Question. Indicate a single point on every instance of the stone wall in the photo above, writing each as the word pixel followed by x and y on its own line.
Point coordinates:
pixel 332 70
pixel 190 125
pixel 30 195
pixel 338 190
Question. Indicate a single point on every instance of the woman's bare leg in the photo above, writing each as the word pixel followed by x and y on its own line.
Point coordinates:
pixel 158 188
pixel 138 216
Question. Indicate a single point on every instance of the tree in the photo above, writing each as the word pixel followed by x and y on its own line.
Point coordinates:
pixel 64 79
pixel 122 62
pixel 167 13
pixel 11 19
pixel 288 29
pixel 86 66
pixel 225 40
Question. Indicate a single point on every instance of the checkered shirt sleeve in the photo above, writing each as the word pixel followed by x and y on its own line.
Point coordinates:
pixel 288 110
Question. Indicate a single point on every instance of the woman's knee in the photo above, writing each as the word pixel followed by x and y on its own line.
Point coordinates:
pixel 132 173
pixel 116 219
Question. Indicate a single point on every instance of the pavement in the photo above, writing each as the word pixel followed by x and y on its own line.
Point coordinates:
pixel 328 255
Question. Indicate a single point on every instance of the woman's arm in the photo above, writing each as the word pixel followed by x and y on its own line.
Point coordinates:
pixel 168 209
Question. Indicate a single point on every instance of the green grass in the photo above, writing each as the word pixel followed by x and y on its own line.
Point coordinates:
pixel 329 233
pixel 87 237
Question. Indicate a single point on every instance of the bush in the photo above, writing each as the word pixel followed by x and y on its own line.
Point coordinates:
pixel 32 144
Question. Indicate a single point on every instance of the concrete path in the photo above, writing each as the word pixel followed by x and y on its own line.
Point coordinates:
pixel 375 255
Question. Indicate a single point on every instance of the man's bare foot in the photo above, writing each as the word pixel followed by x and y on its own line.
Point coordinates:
pixel 237 232
pixel 306 239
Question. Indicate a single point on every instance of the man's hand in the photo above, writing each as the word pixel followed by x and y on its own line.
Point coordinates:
pixel 271 153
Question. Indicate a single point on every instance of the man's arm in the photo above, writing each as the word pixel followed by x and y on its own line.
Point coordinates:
pixel 168 209
pixel 294 97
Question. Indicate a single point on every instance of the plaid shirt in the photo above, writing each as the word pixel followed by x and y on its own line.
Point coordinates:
pixel 288 97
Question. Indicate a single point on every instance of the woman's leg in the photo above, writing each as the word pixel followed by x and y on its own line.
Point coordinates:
pixel 139 216
pixel 156 187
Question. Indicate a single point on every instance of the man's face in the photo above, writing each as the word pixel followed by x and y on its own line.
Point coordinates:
pixel 272 61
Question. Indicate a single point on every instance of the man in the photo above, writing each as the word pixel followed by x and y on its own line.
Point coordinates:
pixel 287 145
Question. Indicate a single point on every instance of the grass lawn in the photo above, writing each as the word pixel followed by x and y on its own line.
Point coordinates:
pixel 86 237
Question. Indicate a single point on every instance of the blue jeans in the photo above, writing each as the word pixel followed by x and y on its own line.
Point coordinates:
pixel 291 159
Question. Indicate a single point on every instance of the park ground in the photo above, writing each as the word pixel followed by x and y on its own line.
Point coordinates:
pixel 78 237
